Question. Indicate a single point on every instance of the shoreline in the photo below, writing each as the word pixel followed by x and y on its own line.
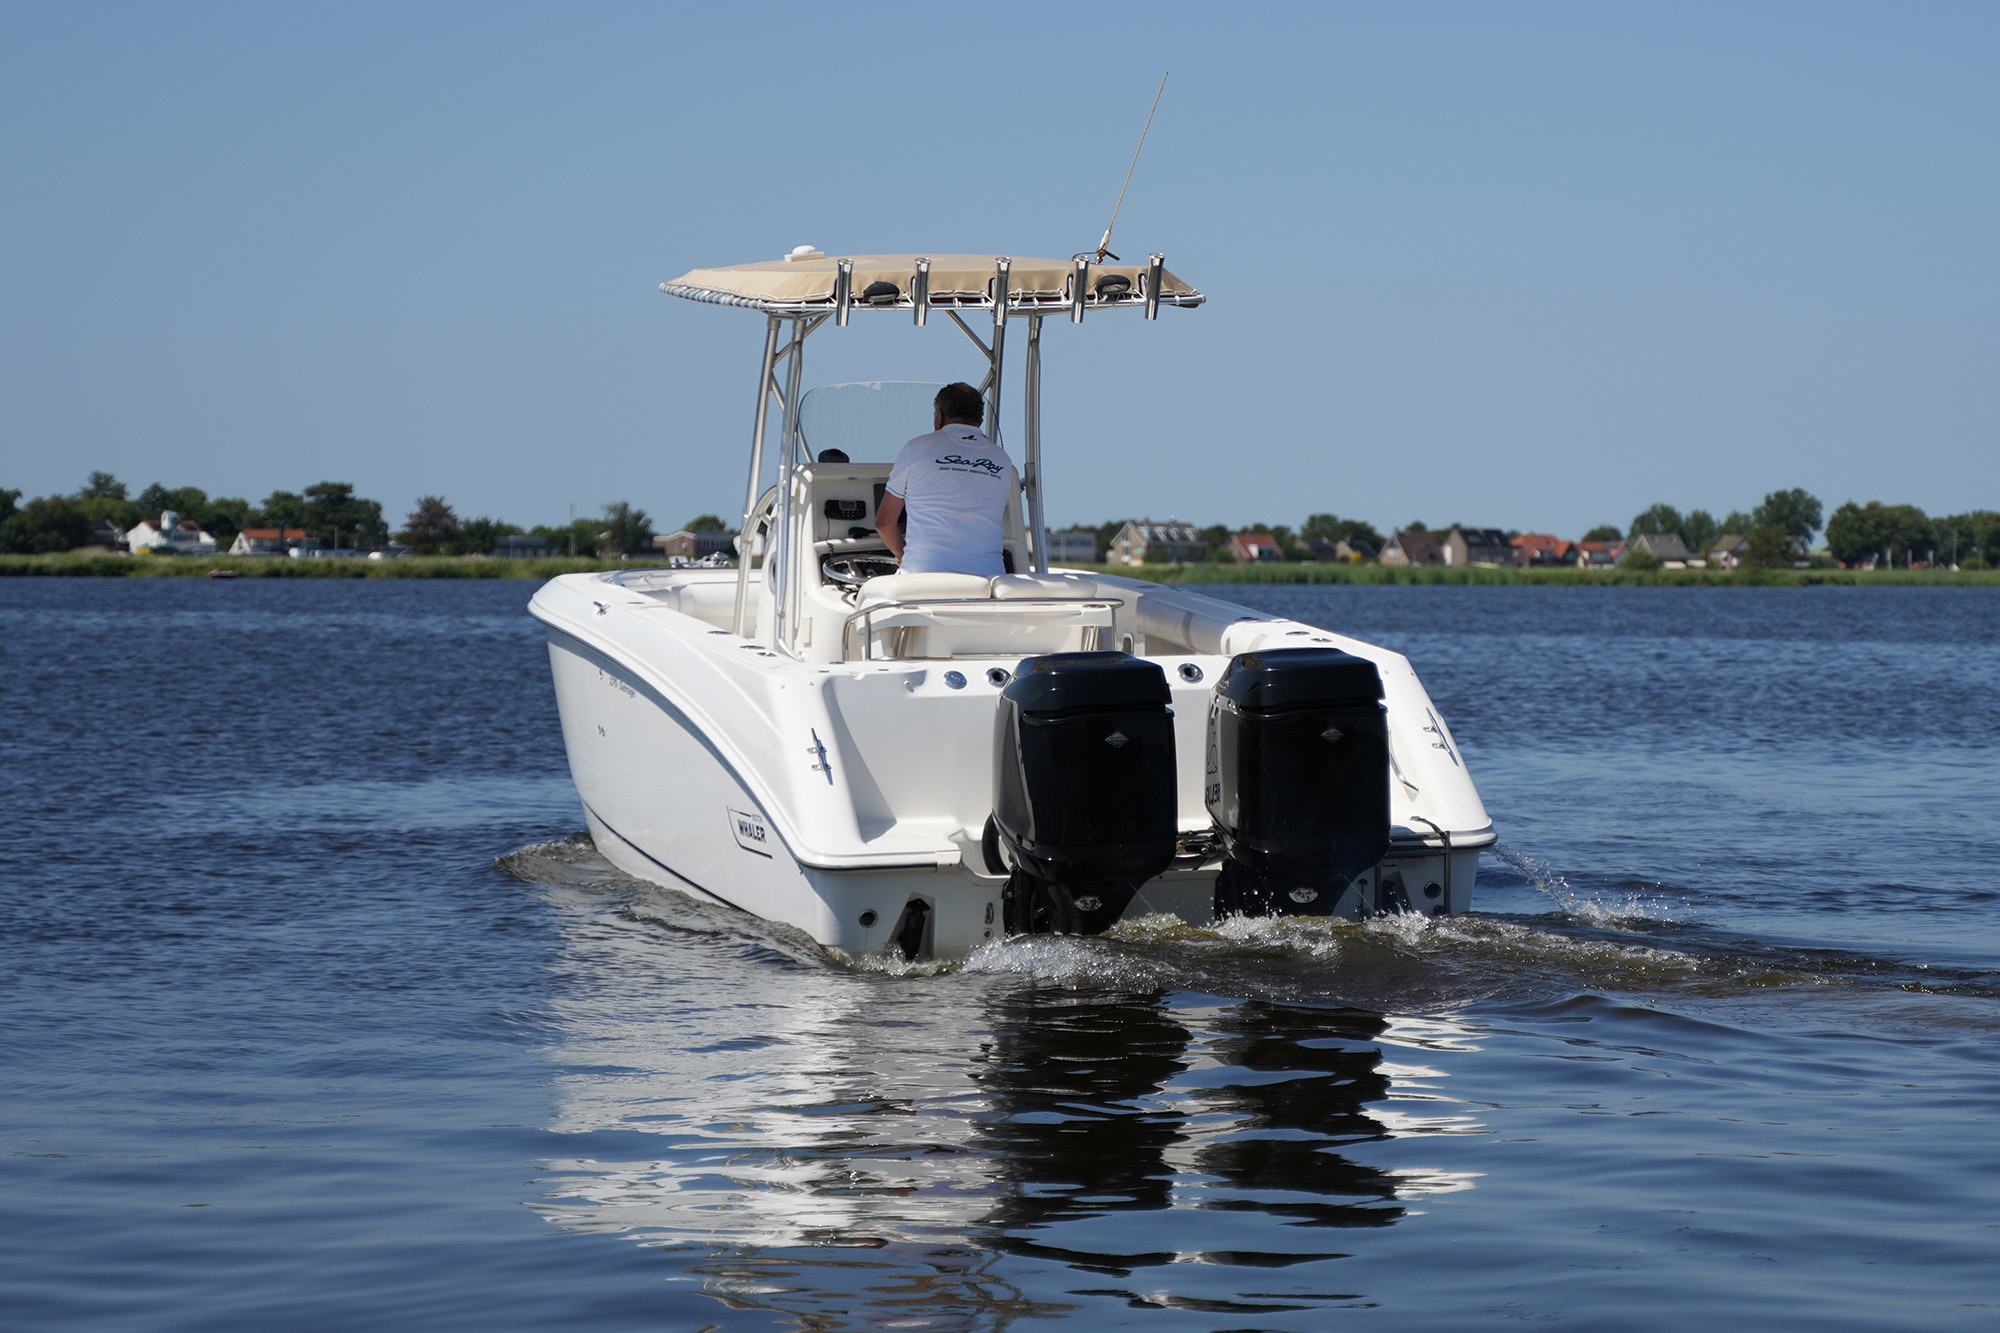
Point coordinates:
pixel 486 567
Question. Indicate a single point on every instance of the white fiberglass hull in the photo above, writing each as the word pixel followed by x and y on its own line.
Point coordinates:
pixel 829 795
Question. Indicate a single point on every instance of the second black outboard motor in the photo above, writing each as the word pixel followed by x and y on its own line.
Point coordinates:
pixel 1083 788
pixel 1298 779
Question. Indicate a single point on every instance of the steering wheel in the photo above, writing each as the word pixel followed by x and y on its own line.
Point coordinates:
pixel 849 572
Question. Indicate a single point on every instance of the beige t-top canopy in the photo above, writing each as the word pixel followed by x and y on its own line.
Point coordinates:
pixel 808 282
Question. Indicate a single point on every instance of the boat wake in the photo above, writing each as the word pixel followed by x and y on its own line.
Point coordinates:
pixel 1646 944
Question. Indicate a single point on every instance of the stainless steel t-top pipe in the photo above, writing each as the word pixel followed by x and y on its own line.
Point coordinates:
pixel 843 290
pixel 1156 267
pixel 920 292
pixel 1002 279
pixel 1078 286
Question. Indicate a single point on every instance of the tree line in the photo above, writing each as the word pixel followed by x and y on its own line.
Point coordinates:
pixel 1292 542
pixel 1780 531
pixel 1777 531
pixel 434 528
pixel 329 513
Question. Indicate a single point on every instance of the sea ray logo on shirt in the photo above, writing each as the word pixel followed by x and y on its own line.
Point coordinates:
pixel 985 465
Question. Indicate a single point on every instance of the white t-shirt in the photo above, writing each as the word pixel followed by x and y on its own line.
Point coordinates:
pixel 955 483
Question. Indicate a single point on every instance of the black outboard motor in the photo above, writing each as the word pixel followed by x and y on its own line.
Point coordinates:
pixel 1083 788
pixel 1298 779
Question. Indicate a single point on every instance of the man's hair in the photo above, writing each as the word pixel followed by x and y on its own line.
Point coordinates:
pixel 961 403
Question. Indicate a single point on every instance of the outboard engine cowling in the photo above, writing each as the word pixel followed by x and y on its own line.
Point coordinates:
pixel 1298 779
pixel 1083 788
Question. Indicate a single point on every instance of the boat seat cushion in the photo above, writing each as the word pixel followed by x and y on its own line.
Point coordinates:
pixel 1008 587
pixel 922 588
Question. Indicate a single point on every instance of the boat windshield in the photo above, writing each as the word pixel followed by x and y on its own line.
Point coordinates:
pixel 869 421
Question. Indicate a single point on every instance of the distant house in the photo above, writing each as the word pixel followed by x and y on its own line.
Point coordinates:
pixel 1173 541
pixel 1073 546
pixel 696 545
pixel 1668 546
pixel 1464 547
pixel 1248 548
pixel 1354 550
pixel 106 534
pixel 1412 548
pixel 1319 548
pixel 1728 551
pixel 267 541
pixel 521 547
pixel 1540 550
pixel 172 535
pixel 1597 555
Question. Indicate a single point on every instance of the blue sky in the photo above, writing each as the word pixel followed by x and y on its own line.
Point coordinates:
pixel 1526 265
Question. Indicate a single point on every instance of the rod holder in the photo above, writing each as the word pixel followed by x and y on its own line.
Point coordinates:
pixel 843 290
pixel 1079 284
pixel 1156 267
pixel 920 292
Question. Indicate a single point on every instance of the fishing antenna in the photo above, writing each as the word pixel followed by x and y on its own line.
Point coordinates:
pixel 1104 245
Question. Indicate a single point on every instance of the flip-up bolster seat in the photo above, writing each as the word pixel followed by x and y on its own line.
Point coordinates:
pixel 922 588
pixel 1008 587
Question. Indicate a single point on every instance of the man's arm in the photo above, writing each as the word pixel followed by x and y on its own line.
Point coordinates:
pixel 886 523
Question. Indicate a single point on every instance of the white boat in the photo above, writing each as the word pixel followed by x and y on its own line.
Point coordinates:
pixel 912 765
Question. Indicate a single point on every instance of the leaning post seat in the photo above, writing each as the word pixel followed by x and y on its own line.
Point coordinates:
pixel 973 615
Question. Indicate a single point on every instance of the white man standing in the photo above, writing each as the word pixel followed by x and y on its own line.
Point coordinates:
pixel 955 484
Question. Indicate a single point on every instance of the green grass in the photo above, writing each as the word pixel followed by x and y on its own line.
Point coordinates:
pixel 482 567
pixel 1288 572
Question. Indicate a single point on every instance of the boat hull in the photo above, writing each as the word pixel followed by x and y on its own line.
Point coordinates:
pixel 663 805
pixel 832 797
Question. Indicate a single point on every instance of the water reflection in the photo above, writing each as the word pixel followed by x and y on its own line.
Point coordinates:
pixel 1299 1080
pixel 1078 1126
pixel 960 1151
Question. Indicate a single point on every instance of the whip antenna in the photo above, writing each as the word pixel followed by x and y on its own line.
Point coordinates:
pixel 1104 245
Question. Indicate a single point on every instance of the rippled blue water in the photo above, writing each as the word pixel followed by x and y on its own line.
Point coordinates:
pixel 316 1014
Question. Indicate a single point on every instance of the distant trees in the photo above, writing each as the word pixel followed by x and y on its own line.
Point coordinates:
pixel 283 509
pixel 579 537
pixel 627 530
pixel 1659 520
pixel 1970 538
pixel 336 515
pixel 1777 532
pixel 478 536
pixel 44 524
pixel 1333 528
pixel 102 486
pixel 1891 534
pixel 1793 512
pixel 431 526
pixel 1699 530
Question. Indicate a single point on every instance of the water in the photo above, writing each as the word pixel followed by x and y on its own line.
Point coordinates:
pixel 316 1013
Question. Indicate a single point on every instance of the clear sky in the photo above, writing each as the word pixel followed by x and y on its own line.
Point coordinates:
pixel 1521 265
